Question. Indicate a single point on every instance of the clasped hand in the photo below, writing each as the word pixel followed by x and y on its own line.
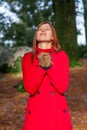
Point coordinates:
pixel 45 60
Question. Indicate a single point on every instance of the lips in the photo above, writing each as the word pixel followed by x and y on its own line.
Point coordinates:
pixel 43 34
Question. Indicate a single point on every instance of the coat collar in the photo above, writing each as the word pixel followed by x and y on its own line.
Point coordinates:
pixel 39 50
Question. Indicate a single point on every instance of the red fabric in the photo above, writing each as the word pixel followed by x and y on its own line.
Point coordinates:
pixel 47 106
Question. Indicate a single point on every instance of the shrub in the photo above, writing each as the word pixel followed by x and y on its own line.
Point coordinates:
pixel 20 87
pixel 17 65
pixel 82 51
pixel 15 68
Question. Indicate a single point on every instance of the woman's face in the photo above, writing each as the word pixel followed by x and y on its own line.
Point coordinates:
pixel 44 33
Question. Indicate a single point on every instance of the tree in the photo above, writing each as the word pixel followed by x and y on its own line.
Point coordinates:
pixel 85 16
pixel 64 11
pixel 30 14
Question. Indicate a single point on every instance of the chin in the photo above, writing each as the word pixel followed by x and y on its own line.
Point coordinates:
pixel 44 40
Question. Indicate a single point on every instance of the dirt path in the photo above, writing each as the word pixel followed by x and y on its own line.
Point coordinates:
pixel 13 103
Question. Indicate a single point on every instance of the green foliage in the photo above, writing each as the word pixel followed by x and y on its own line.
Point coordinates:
pixel 20 87
pixel 17 65
pixel 30 14
pixel 74 63
pixel 4 68
pixel 82 51
pixel 16 68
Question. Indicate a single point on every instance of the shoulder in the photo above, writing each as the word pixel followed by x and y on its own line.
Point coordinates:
pixel 63 56
pixel 27 56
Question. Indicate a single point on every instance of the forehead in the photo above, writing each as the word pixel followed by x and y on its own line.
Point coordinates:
pixel 45 25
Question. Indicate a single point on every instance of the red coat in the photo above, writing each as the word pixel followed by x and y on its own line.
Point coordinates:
pixel 47 107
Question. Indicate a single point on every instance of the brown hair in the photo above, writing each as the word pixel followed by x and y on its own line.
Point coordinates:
pixel 56 44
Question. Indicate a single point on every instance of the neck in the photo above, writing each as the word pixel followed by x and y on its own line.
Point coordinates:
pixel 43 45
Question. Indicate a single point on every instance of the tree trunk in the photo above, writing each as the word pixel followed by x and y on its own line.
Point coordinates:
pixel 64 11
pixel 85 16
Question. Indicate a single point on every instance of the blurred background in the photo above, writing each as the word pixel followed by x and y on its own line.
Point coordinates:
pixel 18 22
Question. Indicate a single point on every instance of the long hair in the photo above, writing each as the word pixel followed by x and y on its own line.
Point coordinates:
pixel 55 43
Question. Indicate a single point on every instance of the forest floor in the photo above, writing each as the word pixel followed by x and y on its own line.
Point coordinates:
pixel 13 103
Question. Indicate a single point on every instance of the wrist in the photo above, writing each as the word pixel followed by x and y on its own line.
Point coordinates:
pixel 46 68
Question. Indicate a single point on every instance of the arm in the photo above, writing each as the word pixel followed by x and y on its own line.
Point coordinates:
pixel 59 73
pixel 32 74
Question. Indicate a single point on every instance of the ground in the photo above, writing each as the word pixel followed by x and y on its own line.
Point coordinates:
pixel 13 103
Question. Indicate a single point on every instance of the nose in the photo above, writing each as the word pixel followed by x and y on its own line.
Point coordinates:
pixel 43 29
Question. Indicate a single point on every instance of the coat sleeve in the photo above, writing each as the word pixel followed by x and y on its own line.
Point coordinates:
pixel 59 73
pixel 32 74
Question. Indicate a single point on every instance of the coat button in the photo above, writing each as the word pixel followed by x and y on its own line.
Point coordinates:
pixel 50 52
pixel 52 93
pixel 51 84
pixel 29 112
pixel 38 92
pixel 64 110
pixel 51 58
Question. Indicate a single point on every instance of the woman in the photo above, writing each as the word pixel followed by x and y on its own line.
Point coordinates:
pixel 46 79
